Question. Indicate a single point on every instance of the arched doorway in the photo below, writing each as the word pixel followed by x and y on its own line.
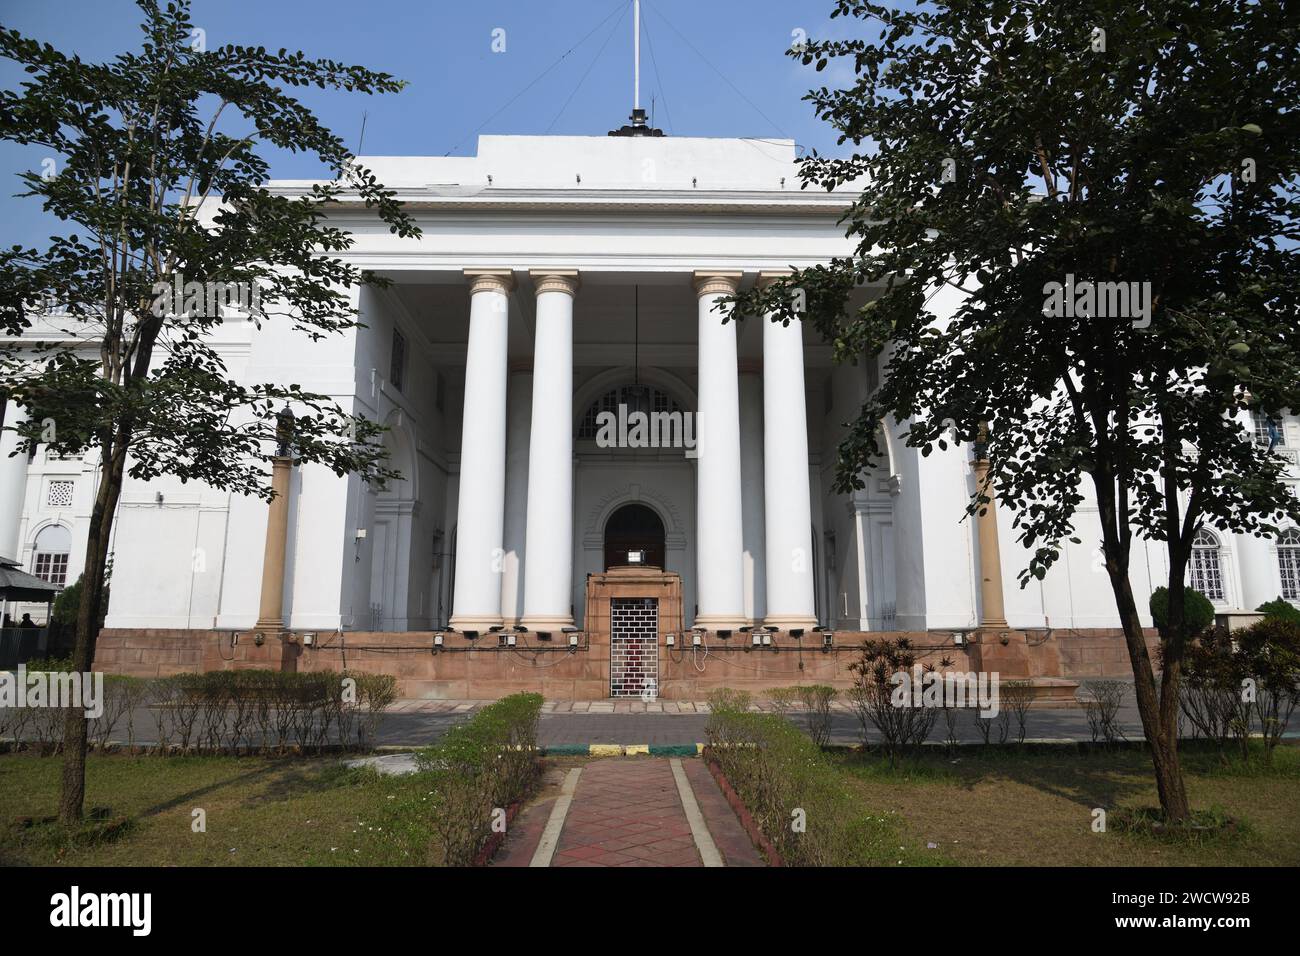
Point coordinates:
pixel 634 531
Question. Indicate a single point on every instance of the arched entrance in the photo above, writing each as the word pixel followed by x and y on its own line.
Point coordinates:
pixel 634 535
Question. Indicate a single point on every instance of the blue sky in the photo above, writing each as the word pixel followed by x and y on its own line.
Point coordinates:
pixel 443 48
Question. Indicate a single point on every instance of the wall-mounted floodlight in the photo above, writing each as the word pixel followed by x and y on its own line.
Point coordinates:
pixel 470 635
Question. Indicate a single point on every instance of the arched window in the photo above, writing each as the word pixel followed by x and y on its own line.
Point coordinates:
pixel 644 398
pixel 51 554
pixel 1288 563
pixel 1207 566
pixel 634 535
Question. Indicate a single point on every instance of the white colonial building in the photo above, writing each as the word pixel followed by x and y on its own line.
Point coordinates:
pixel 556 279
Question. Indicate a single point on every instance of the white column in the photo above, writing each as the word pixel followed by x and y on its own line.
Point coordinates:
pixel 518 423
pixel 719 527
pixel 481 507
pixel 788 503
pixel 548 569
pixel 13 484
pixel 751 490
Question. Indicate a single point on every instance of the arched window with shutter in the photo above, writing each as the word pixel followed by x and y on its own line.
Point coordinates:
pixel 1207 566
pixel 1288 563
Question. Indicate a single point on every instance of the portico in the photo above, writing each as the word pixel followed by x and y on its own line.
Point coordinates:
pixel 523 419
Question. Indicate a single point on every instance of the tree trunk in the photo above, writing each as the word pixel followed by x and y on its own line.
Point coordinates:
pixel 1159 711
pixel 89 613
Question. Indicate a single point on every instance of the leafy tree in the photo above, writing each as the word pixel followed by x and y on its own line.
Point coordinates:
pixel 1002 146
pixel 157 170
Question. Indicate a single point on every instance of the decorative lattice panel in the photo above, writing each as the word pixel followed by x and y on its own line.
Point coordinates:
pixel 634 647
pixel 59 494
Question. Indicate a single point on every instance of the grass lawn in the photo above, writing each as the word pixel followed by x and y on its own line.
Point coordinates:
pixel 1034 807
pixel 260 812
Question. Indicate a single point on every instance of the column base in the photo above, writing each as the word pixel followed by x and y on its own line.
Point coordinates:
pixel 720 622
pixel 546 622
pixel 475 622
pixel 271 628
pixel 790 622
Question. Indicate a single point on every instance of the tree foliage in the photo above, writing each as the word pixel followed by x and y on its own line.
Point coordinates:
pixel 1000 147
pixel 157 168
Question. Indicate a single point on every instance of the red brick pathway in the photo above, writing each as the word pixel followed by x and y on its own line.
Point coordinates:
pixel 627 812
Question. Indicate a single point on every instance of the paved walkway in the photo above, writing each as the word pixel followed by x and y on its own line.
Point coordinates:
pixel 629 812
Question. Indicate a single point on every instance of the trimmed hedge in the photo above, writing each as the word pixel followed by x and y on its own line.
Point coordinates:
pixel 794 793
pixel 479 769
pixel 224 711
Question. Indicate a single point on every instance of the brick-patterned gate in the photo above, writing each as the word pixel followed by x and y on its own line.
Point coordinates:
pixel 634 647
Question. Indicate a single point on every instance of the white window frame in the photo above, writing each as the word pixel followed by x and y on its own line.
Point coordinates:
pixel 1204 545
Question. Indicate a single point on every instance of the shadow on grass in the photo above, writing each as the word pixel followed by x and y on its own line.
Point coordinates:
pixel 1089 775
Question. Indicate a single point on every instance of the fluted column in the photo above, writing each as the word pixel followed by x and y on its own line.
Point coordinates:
pixel 719 536
pixel 548 566
pixel 13 484
pixel 480 512
pixel 787 497
pixel 992 612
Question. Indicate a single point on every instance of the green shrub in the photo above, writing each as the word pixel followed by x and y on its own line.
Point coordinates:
pixel 68 603
pixel 1198 612
pixel 1271 650
pixel 1280 609
pixel 478 769
pixel 873 691
pixel 794 793
pixel 1235 683
pixel 817 700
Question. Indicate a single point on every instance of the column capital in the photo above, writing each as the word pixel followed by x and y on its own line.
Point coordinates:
pixel 490 280
pixel 768 276
pixel 555 280
pixel 713 282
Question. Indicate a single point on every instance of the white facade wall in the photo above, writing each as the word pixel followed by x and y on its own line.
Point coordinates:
pixel 898 554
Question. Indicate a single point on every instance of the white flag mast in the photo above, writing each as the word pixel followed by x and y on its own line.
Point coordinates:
pixel 639 125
